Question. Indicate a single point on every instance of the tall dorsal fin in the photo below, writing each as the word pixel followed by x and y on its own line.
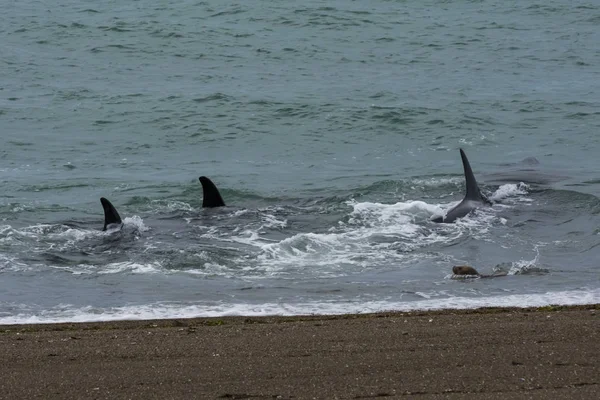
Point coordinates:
pixel 211 195
pixel 473 192
pixel 111 216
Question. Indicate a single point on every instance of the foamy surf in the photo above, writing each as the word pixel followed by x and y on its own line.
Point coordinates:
pixel 372 235
pixel 67 313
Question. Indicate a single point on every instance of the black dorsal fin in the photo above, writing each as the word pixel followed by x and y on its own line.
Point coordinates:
pixel 473 192
pixel 211 195
pixel 111 216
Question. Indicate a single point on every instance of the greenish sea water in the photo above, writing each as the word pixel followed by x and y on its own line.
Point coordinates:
pixel 332 129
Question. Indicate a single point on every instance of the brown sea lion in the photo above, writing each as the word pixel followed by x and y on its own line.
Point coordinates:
pixel 466 272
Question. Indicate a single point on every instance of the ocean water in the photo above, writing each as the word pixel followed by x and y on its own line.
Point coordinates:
pixel 332 129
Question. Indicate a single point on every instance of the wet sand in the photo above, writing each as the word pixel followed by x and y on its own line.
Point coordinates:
pixel 544 353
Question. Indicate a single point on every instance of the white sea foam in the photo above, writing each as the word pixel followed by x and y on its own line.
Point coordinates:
pixel 55 232
pixel 270 221
pixel 385 214
pixel 131 267
pixel 518 190
pixel 436 182
pixel 11 263
pixel 172 205
pixel 69 313
pixel 111 268
pixel 374 234
pixel 136 223
pixel 524 266
pixel 44 237
pixel 239 213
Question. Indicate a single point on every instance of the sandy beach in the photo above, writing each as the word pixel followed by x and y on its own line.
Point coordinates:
pixel 544 353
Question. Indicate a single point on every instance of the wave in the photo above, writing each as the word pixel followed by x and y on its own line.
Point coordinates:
pixel 342 238
pixel 24 314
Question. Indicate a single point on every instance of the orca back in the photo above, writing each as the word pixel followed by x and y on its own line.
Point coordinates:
pixel 473 197
pixel 211 196
pixel 111 216
pixel 473 192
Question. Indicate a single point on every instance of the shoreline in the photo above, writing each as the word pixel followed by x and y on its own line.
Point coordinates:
pixel 541 352
pixel 68 313
pixel 241 319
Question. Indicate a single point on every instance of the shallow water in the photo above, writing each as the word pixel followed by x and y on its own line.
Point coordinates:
pixel 332 130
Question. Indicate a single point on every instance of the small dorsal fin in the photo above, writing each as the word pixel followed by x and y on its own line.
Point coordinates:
pixel 211 195
pixel 111 216
pixel 473 192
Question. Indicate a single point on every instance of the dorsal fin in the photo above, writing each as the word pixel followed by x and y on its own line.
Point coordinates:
pixel 473 192
pixel 211 195
pixel 111 216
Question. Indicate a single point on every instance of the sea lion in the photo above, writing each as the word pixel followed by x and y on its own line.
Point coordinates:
pixel 464 270
pixel 467 272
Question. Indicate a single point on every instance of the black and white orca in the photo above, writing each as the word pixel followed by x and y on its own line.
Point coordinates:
pixel 473 198
pixel 112 219
pixel 211 196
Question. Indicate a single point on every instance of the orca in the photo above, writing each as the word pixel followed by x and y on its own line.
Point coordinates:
pixel 211 196
pixel 473 198
pixel 111 216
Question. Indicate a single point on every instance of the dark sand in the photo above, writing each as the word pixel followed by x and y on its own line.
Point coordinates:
pixel 546 353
